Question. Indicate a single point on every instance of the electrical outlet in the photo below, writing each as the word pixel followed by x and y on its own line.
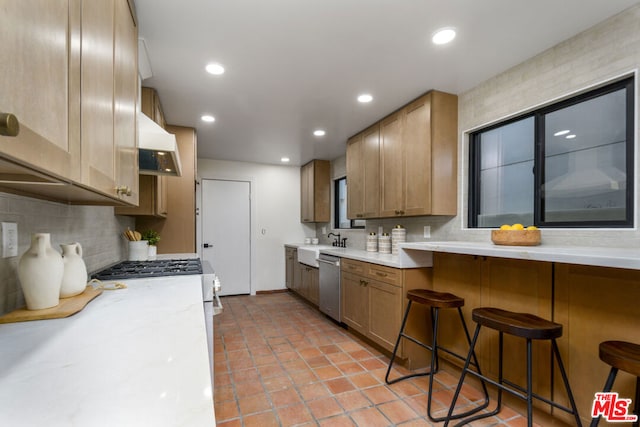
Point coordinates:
pixel 324 229
pixel 427 231
pixel 380 231
pixel 9 239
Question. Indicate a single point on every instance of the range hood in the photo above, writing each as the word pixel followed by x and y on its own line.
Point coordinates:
pixel 157 149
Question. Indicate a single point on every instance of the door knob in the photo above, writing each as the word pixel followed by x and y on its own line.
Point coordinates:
pixel 207 245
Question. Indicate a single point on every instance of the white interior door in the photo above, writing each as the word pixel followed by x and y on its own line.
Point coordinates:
pixel 226 233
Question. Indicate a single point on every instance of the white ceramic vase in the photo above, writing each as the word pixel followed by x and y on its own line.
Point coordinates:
pixel 74 279
pixel 153 252
pixel 40 273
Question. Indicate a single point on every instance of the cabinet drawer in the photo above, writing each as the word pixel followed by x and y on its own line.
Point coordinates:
pixel 352 266
pixel 390 275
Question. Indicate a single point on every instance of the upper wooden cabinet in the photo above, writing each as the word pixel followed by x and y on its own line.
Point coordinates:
pixel 61 82
pixel 151 106
pixel 153 198
pixel 416 171
pixel 40 84
pixel 315 191
pixel 363 171
pixel 418 155
pixel 153 189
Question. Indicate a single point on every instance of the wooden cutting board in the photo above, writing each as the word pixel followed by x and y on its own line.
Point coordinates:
pixel 66 308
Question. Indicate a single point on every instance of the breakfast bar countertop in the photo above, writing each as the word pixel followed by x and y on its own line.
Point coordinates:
pixel 132 357
pixel 583 255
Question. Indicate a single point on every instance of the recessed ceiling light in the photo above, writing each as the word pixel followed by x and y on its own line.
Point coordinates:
pixel 284 160
pixel 443 35
pixel 208 118
pixel 570 136
pixel 319 132
pixel 365 97
pixel 215 68
pixel 561 132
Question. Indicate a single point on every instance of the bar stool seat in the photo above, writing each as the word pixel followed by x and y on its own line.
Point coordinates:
pixel 523 325
pixel 624 356
pixel 435 301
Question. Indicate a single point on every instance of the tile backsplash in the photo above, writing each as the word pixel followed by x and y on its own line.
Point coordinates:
pixel 96 228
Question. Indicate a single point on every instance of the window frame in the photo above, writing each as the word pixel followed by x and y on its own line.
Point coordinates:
pixel 336 210
pixel 473 209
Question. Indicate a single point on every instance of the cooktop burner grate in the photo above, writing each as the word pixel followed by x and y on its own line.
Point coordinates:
pixel 157 268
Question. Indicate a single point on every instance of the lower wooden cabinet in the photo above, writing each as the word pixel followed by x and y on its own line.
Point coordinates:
pixel 310 283
pixel 355 302
pixel 290 261
pixel 374 301
pixel 300 278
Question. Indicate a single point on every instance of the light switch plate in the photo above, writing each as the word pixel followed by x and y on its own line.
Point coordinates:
pixel 9 239
pixel 427 231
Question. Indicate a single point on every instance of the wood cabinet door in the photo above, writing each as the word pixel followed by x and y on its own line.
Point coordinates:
pixel 306 193
pixel 355 177
pixel 40 84
pixel 97 91
pixel 416 147
pixel 385 312
pixel 290 257
pixel 371 172
pixel 391 166
pixel 297 276
pixel 125 99
pixel 355 302
pixel 313 289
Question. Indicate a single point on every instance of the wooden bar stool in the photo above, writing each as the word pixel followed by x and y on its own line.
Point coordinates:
pixel 621 355
pixel 435 301
pixel 522 325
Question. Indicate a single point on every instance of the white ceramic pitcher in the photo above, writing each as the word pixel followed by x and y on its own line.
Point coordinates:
pixel 74 279
pixel 40 273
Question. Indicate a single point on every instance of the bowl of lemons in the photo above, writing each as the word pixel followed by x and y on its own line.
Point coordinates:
pixel 516 235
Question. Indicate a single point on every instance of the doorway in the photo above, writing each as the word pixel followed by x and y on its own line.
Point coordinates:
pixel 226 233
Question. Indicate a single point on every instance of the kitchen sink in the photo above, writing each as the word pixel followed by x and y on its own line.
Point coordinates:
pixel 308 254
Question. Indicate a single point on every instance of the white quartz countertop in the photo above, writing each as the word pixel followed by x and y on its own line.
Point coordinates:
pixel 404 259
pixel 131 357
pixel 583 255
pixel 420 254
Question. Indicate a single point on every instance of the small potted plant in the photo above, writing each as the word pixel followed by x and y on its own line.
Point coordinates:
pixel 152 237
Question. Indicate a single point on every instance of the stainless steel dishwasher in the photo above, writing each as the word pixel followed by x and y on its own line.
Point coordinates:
pixel 330 286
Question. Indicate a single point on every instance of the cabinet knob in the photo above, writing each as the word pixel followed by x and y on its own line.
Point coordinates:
pixel 9 125
pixel 123 190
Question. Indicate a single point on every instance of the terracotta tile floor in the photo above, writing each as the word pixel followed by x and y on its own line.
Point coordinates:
pixel 279 362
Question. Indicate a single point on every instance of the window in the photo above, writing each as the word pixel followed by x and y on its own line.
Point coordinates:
pixel 340 207
pixel 566 165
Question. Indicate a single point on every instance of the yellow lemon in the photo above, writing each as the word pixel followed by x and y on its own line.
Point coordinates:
pixel 517 227
pixel 505 227
pixel 532 227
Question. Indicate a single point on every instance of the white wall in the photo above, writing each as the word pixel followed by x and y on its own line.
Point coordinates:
pixel 599 54
pixel 275 215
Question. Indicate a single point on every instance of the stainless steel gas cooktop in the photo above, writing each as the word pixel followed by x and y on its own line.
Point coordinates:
pixel 157 268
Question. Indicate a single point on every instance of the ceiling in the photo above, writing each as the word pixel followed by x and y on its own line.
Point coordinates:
pixel 293 66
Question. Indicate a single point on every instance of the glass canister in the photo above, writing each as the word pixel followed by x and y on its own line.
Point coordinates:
pixel 384 243
pixel 372 242
pixel 398 235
